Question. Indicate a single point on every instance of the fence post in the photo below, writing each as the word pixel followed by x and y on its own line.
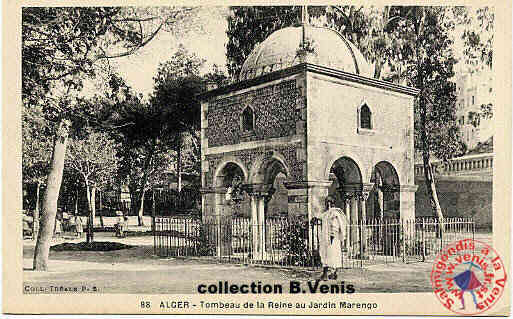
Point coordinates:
pixel 402 238
pixel 423 243
pixel 153 219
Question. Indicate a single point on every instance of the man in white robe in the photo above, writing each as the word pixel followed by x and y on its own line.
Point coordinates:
pixel 334 224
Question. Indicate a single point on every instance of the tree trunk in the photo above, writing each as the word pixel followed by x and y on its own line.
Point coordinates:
pixel 53 186
pixel 147 166
pixel 428 171
pixel 76 204
pixel 90 235
pixel 100 211
pixel 179 165
pixel 93 209
pixel 35 223
pixel 179 169
pixel 141 209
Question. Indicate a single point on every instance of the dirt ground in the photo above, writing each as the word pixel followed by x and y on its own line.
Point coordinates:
pixel 137 270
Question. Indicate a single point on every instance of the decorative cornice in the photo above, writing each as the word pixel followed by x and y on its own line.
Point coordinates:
pixel 307 184
pixel 362 80
pixel 213 190
pixel 308 67
pixel 351 188
pixel 389 188
pixel 408 188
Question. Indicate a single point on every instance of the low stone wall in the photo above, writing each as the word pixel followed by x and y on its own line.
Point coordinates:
pixel 459 197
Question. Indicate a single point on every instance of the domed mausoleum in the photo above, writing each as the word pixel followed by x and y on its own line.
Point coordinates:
pixel 307 120
pixel 280 51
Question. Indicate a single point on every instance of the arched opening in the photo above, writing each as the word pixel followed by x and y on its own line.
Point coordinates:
pixel 384 201
pixel 270 204
pixel 365 117
pixel 221 226
pixel 346 188
pixel 230 174
pixel 346 179
pixel 248 119
pixel 277 203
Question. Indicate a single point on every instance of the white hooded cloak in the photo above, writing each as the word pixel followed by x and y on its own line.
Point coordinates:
pixel 334 223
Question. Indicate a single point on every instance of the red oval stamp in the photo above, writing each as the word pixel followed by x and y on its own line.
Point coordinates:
pixel 468 277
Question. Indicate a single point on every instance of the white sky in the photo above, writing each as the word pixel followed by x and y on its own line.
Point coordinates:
pixel 138 70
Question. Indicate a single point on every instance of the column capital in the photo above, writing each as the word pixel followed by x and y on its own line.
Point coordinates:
pixel 363 196
pixel 260 189
pixel 346 197
pixel 367 187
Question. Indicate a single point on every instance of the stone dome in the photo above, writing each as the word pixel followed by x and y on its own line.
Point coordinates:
pixel 330 49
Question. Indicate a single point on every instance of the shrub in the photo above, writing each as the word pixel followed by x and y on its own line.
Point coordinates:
pixel 294 242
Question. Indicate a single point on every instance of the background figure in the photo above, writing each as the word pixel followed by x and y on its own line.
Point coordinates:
pixel 79 228
pixel 58 228
pixel 334 224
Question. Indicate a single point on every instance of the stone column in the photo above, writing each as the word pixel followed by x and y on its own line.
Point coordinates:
pixel 355 231
pixel 347 209
pixel 254 224
pixel 362 199
pixel 297 199
pixel 407 207
pixel 317 194
pixel 213 204
pixel 309 197
pixel 261 227
pixel 260 195
pixel 407 201
pixel 381 202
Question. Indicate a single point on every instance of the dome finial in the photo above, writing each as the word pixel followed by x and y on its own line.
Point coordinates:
pixel 304 15
pixel 304 22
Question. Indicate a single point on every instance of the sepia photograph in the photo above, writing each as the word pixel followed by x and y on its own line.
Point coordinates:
pixel 235 157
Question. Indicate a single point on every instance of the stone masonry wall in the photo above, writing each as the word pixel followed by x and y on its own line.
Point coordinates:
pixel 274 107
pixel 459 199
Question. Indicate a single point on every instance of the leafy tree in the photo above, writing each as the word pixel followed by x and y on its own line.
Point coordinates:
pixel 478 36
pixel 176 85
pixel 61 47
pixel 478 45
pixel 366 27
pixel 36 146
pixel 429 62
pixel 94 158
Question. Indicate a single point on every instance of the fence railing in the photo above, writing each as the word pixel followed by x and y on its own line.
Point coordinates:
pixel 460 165
pixel 295 243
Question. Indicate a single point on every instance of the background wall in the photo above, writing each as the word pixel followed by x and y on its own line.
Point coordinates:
pixel 459 198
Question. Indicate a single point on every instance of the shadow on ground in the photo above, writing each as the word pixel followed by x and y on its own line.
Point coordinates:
pixel 138 270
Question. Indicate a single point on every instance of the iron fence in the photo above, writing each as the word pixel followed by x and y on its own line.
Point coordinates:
pixel 295 242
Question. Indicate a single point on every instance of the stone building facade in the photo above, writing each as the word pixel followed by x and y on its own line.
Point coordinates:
pixel 474 90
pixel 317 120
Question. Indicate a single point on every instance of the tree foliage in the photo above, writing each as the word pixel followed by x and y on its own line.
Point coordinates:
pixel 93 157
pixel 366 27
pixel 429 63
pixel 61 47
pixel 36 145
pixel 478 37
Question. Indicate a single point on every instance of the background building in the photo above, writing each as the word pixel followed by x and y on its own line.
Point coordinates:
pixel 474 90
